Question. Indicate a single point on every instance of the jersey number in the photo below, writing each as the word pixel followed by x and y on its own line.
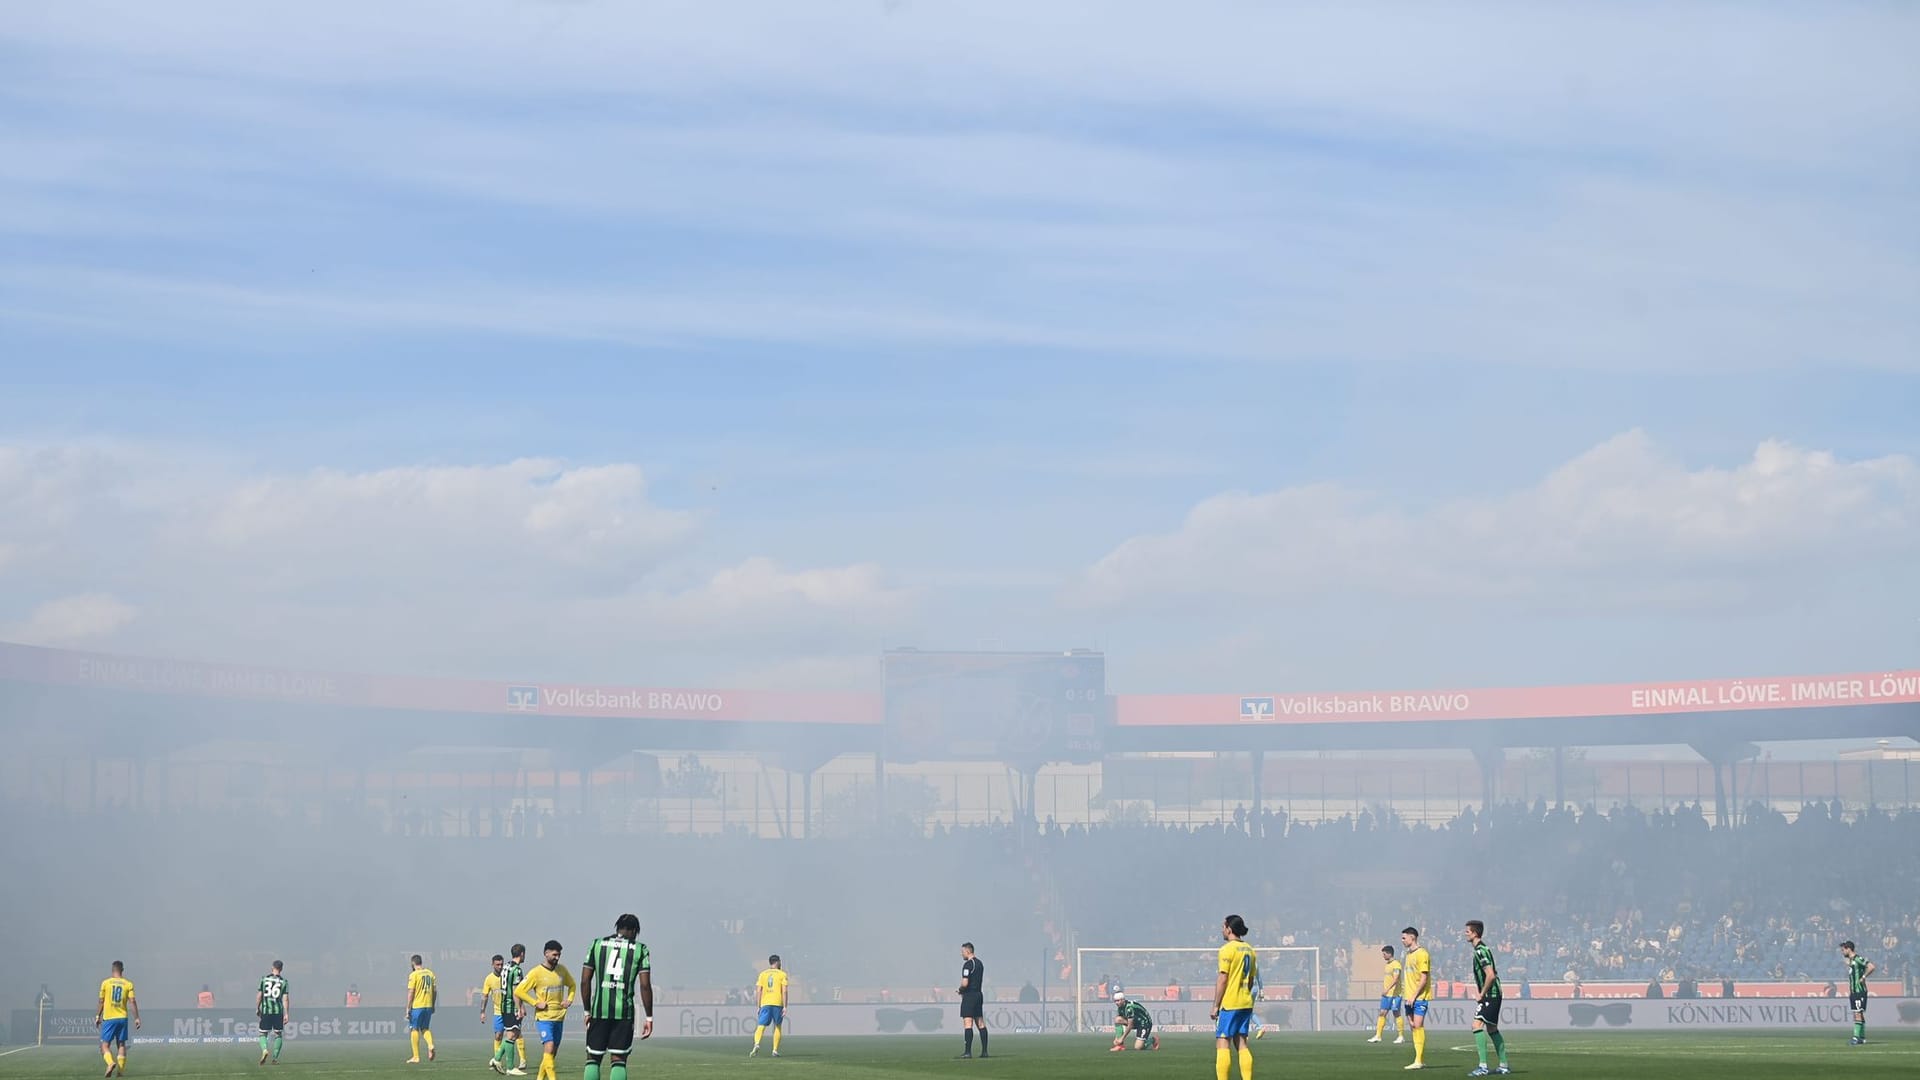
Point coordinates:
pixel 272 991
pixel 117 992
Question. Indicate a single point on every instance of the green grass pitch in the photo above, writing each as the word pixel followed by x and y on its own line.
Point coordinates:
pixel 1757 1055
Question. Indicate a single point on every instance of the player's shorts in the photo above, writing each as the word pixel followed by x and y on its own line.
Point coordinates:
pixel 499 1025
pixel 1389 1004
pixel 1488 1012
pixel 1856 1003
pixel 550 1031
pixel 973 1006
pixel 113 1031
pixel 507 1024
pixel 419 1019
pixel 771 1015
pixel 1417 1007
pixel 1234 1024
pixel 272 1022
pixel 609 1037
pixel 1139 1032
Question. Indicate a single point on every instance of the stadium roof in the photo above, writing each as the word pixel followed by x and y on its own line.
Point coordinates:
pixel 203 695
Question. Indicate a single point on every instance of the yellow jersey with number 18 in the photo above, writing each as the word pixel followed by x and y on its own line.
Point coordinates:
pixel 1242 970
pixel 114 995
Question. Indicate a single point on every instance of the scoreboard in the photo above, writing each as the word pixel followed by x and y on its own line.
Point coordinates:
pixel 1024 708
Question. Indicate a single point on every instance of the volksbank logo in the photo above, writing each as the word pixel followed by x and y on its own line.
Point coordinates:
pixel 523 698
pixel 1256 708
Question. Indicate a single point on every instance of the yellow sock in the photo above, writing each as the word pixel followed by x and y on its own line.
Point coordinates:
pixel 1420 1044
pixel 496 1046
pixel 776 1039
pixel 1246 1063
pixel 520 1051
pixel 757 1032
pixel 1399 1024
pixel 106 1056
pixel 546 1066
pixel 428 1036
pixel 1380 1025
pixel 1222 1063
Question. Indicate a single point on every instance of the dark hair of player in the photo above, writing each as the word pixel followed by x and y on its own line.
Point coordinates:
pixel 1479 928
pixel 1847 945
pixel 1237 925
pixel 498 959
pixel 518 952
pixel 967 945
pixel 552 946
pixel 278 966
pixel 774 959
pixel 118 966
pixel 627 923
pixel 416 959
pixel 1386 950
pixel 1412 932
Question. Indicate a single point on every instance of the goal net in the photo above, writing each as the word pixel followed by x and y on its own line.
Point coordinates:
pixel 1176 986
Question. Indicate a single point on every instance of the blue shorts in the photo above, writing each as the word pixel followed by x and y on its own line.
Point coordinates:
pixel 1418 1008
pixel 419 1019
pixel 1389 1004
pixel 499 1024
pixel 550 1031
pixel 113 1031
pixel 1234 1024
pixel 770 1015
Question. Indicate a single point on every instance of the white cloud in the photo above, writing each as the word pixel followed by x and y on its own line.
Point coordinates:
pixel 85 618
pixel 482 569
pixel 1619 527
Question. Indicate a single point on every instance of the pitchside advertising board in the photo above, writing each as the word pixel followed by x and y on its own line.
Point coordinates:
pixel 1017 707
pixel 213 1026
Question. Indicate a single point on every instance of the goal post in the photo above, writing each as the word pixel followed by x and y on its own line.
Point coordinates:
pixel 1182 980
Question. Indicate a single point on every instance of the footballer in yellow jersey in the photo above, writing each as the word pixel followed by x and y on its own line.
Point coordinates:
pixel 548 990
pixel 1239 973
pixel 423 993
pixel 1416 987
pixel 773 1004
pixel 116 1003
pixel 489 1003
pixel 1390 980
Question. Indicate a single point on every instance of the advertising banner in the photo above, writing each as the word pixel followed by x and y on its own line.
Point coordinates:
pixel 213 1025
pixel 1528 703
pixel 1618 1014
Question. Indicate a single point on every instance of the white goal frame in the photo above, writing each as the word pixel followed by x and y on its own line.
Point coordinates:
pixel 1316 991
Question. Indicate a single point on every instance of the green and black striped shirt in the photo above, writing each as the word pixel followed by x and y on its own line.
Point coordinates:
pixel 1857 975
pixel 273 996
pixel 1482 964
pixel 510 978
pixel 617 964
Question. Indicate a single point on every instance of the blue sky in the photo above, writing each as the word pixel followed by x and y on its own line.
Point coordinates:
pixel 1265 346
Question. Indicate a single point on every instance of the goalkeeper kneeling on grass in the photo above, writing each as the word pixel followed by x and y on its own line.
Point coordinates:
pixel 1132 1019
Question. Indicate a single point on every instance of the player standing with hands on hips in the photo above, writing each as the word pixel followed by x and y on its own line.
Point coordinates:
pixel 1486 1017
pixel 1233 1000
pixel 973 999
pixel 1859 968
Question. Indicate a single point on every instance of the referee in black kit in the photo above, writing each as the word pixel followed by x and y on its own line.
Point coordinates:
pixel 973 999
